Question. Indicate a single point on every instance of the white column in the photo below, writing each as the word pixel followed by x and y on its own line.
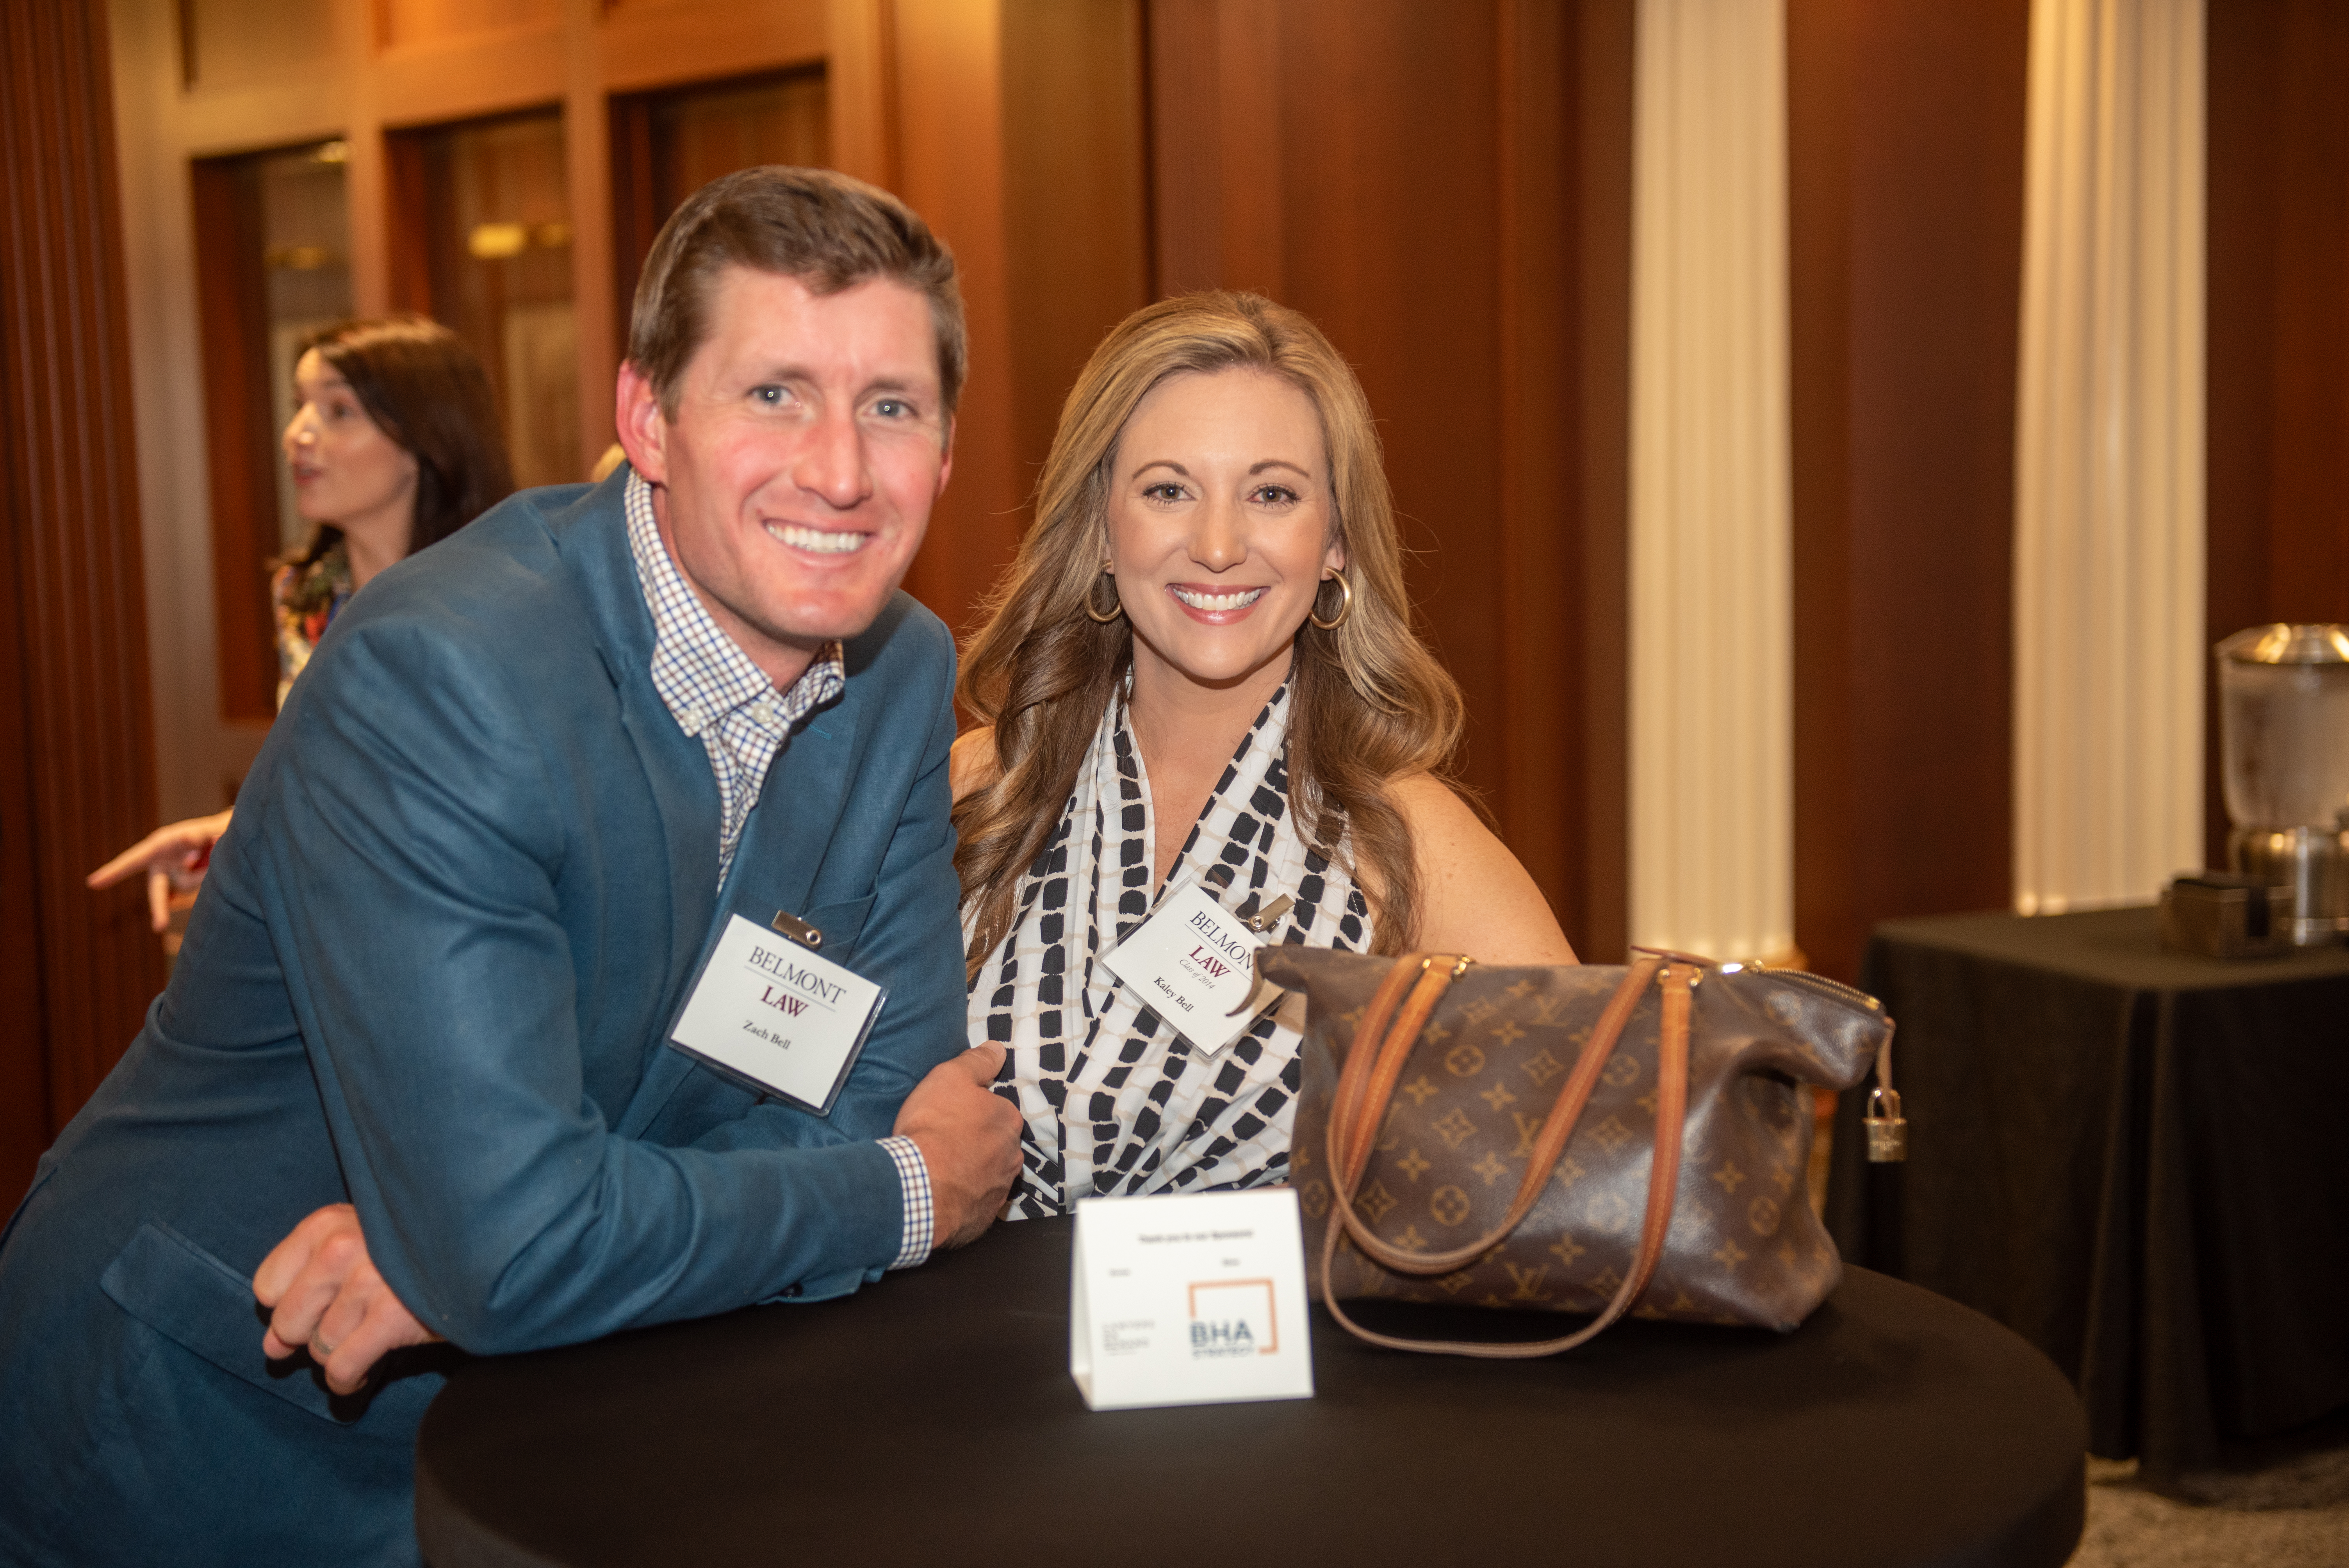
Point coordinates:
pixel 1711 816
pixel 2109 642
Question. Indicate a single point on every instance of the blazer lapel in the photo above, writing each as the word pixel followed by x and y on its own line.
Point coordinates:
pixel 594 542
pixel 784 842
pixel 774 868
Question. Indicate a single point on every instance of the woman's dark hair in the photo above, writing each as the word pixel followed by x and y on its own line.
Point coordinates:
pixel 423 388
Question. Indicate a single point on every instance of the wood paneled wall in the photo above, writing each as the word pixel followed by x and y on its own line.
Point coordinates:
pixel 1907 188
pixel 242 479
pixel 1076 199
pixel 2278 213
pixel 77 765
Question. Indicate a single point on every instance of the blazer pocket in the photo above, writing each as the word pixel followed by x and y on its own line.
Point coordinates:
pixel 205 1306
pixel 842 923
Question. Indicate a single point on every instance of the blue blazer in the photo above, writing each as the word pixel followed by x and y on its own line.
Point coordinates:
pixel 432 974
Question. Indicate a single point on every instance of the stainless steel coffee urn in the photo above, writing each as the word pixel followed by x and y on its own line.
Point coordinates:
pixel 2283 718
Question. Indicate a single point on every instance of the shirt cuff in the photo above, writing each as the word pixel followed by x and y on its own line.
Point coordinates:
pixel 914 1181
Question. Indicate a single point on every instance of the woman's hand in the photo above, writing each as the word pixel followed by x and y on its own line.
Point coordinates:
pixel 173 859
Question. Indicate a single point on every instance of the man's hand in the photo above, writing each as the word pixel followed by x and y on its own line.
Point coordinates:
pixel 969 1140
pixel 326 1296
pixel 173 859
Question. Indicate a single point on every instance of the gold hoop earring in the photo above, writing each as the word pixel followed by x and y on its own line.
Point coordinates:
pixel 1345 604
pixel 1117 606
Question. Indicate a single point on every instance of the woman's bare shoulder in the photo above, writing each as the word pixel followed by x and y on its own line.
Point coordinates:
pixel 972 765
pixel 1429 806
pixel 1475 896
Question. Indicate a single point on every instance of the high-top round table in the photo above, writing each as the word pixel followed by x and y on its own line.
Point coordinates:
pixel 931 1419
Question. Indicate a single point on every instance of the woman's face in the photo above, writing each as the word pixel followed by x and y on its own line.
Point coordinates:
pixel 1220 524
pixel 346 471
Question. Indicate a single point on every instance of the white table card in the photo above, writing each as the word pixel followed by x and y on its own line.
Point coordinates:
pixel 1190 1299
pixel 771 1011
pixel 1193 962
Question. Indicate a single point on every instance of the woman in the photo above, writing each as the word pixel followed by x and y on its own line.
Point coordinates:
pixel 1201 667
pixel 394 445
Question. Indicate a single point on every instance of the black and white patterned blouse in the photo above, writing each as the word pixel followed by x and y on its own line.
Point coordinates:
pixel 1113 1100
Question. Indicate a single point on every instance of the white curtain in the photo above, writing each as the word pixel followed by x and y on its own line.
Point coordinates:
pixel 2109 547
pixel 1711 815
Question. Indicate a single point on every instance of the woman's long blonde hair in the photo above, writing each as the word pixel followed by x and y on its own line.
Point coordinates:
pixel 1369 703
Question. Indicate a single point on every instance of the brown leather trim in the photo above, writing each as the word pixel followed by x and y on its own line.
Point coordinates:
pixel 1394 1054
pixel 1663 1186
pixel 1557 1128
pixel 1362 1059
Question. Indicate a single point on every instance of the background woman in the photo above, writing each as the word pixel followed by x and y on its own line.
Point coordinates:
pixel 394 445
pixel 1202 658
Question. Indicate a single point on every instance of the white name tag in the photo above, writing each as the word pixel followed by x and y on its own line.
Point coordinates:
pixel 1195 1299
pixel 770 1011
pixel 1193 962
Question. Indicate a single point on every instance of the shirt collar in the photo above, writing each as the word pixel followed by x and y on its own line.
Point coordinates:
pixel 701 674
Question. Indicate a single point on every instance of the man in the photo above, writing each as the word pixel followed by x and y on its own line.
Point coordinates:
pixel 427 994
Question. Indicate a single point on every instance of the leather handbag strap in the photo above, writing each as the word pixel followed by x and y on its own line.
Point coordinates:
pixel 1394 1052
pixel 1678 980
pixel 1373 1070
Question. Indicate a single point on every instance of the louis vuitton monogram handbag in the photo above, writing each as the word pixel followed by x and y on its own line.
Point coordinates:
pixel 1594 1140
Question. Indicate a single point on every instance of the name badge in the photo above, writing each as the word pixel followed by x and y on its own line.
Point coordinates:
pixel 1194 960
pixel 1195 1299
pixel 770 1011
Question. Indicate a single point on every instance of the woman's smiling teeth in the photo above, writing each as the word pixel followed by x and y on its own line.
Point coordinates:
pixel 822 541
pixel 1237 600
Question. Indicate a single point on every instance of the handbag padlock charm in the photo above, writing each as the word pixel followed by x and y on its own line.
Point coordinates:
pixel 1887 1130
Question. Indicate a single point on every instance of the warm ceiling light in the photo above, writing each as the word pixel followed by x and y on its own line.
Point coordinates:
pixel 331 152
pixel 296 258
pixel 496 242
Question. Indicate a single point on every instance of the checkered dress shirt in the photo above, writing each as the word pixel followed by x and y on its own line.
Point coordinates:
pixel 718 695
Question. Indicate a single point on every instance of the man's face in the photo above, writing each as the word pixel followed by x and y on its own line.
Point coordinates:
pixel 793 484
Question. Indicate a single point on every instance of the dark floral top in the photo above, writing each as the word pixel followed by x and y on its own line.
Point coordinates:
pixel 307 600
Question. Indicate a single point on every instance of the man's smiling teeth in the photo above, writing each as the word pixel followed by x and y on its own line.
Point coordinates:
pixel 1239 601
pixel 823 540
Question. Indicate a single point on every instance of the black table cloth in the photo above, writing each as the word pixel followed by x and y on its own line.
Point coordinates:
pixel 931 1419
pixel 2130 1156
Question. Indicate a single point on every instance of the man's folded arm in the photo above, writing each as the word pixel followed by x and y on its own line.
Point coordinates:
pixel 412 856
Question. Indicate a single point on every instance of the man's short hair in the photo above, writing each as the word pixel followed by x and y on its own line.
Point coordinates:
pixel 823 228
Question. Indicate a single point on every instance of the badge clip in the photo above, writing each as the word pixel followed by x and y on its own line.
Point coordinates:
pixel 799 931
pixel 1263 920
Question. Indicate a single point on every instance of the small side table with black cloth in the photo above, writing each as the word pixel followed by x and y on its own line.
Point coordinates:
pixel 2131 1157
pixel 931 1419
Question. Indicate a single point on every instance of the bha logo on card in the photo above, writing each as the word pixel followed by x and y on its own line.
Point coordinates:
pixel 1220 952
pixel 1233 1318
pixel 1189 1298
